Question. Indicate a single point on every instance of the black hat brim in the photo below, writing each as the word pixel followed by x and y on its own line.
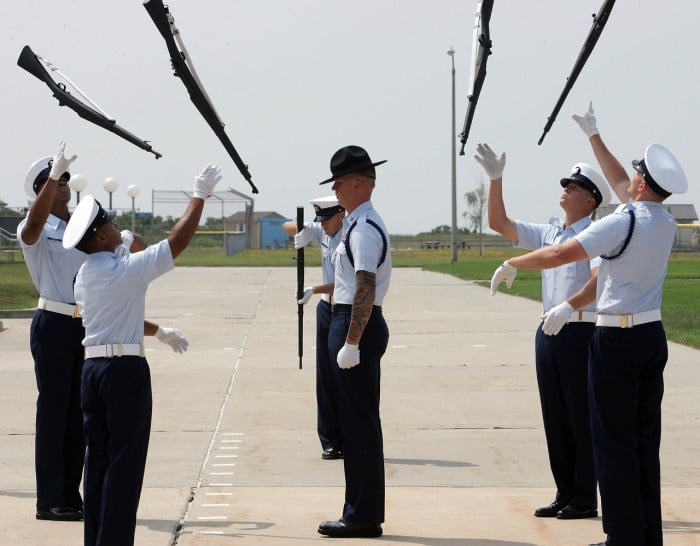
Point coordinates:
pixel 351 170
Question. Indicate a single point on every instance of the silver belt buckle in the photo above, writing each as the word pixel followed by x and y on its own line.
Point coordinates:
pixel 624 321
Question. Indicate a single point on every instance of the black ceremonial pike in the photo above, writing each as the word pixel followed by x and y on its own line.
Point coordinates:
pixel 34 64
pixel 481 49
pixel 599 21
pixel 184 69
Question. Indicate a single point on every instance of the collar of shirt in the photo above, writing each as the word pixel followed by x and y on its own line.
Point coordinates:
pixel 55 223
pixel 361 210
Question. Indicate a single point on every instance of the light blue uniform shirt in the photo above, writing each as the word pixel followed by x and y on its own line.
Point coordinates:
pixel 328 246
pixel 631 283
pixel 51 267
pixel 110 291
pixel 558 283
pixel 367 246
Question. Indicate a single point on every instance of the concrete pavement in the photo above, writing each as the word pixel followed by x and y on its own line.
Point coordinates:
pixel 234 457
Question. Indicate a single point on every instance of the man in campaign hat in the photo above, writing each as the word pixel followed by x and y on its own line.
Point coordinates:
pixel 628 349
pixel 55 339
pixel 110 291
pixel 561 340
pixel 357 339
pixel 326 231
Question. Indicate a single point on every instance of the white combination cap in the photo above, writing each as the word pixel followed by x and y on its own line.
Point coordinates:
pixel 87 218
pixel 661 170
pixel 586 176
pixel 326 207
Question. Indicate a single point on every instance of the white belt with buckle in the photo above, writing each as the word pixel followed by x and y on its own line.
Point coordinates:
pixel 114 350
pixel 68 309
pixel 628 321
pixel 582 316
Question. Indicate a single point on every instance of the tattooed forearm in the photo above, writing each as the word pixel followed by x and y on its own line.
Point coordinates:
pixel 365 289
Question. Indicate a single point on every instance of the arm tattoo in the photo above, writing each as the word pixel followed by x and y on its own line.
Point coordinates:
pixel 362 302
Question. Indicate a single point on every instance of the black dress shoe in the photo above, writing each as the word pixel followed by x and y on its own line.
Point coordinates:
pixel 349 529
pixel 550 511
pixel 332 453
pixel 574 512
pixel 61 513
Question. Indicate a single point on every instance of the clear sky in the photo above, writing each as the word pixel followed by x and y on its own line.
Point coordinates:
pixel 296 80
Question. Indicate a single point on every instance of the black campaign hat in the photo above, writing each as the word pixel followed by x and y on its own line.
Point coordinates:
pixel 350 159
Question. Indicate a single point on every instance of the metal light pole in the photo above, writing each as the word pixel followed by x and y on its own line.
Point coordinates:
pixel 77 183
pixel 453 239
pixel 133 192
pixel 110 187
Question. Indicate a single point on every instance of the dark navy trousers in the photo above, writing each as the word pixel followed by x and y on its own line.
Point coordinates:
pixel 562 378
pixel 55 342
pixel 360 426
pixel 626 388
pixel 117 404
pixel 328 425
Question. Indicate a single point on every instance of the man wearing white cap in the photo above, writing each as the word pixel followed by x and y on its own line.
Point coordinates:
pixel 55 340
pixel 110 291
pixel 561 341
pixel 628 350
pixel 324 230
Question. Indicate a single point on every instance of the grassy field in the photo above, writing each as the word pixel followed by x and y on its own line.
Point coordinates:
pixel 680 308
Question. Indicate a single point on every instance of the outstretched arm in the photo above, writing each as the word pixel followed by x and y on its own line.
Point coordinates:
pixel 496 209
pixel 612 169
pixel 184 229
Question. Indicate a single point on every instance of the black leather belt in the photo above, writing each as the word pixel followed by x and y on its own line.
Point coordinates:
pixel 347 308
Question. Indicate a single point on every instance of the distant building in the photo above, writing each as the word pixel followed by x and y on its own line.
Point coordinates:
pixel 265 228
pixel 686 237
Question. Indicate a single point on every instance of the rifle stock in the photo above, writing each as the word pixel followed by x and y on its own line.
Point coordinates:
pixel 29 62
pixel 162 19
pixel 481 49
pixel 599 21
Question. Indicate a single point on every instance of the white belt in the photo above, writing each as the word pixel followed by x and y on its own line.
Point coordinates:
pixel 68 309
pixel 628 321
pixel 327 298
pixel 117 349
pixel 582 316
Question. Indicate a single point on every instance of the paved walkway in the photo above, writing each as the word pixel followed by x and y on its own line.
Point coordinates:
pixel 234 457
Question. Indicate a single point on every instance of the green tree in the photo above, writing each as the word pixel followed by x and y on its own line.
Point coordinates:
pixel 476 205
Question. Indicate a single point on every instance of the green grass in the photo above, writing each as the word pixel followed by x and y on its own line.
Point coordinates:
pixel 680 307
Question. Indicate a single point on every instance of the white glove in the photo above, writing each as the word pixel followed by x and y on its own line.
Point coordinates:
pixel 124 248
pixel 303 238
pixel 505 272
pixel 306 296
pixel 174 338
pixel 127 238
pixel 206 180
pixel 556 318
pixel 60 163
pixel 587 121
pixel 487 159
pixel 349 356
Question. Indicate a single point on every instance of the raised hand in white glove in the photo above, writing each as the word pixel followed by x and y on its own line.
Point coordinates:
pixel 587 121
pixel 349 356
pixel 306 296
pixel 127 238
pixel 174 338
pixel 556 318
pixel 505 272
pixel 205 182
pixel 493 165
pixel 303 238
pixel 60 163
